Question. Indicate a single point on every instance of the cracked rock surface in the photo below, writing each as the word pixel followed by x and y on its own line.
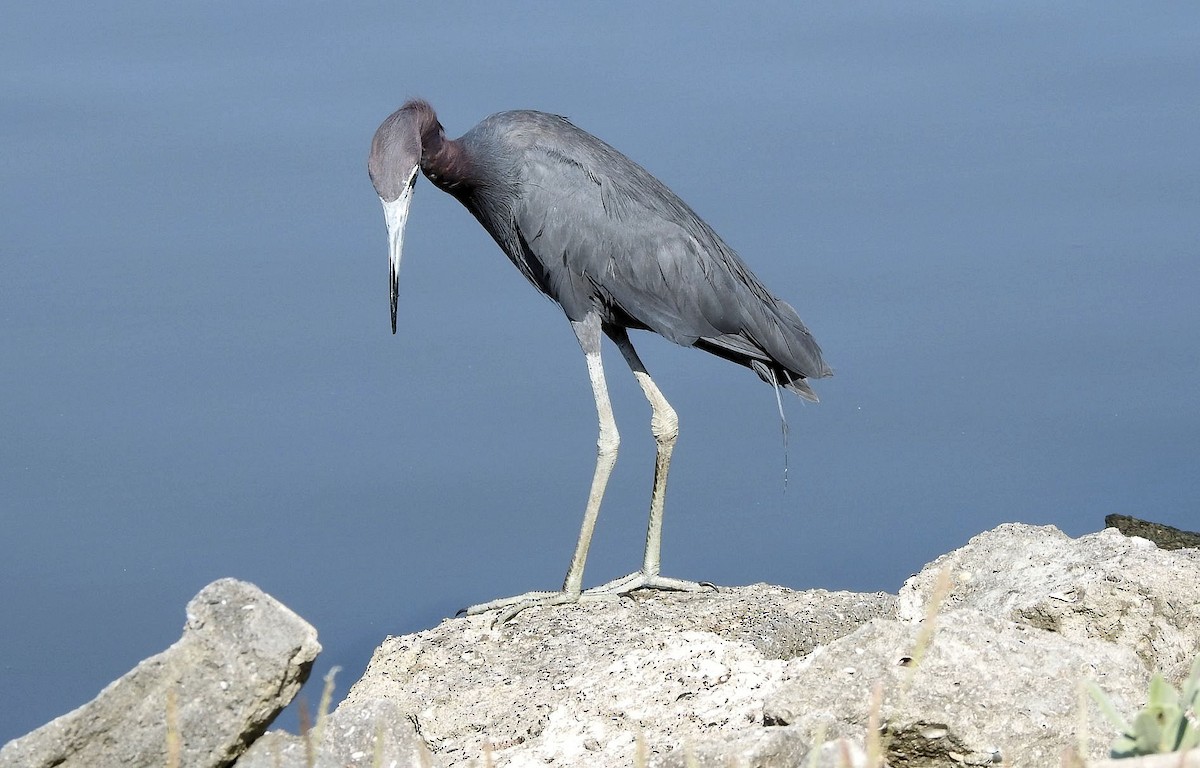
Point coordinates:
pixel 1101 586
pixel 594 684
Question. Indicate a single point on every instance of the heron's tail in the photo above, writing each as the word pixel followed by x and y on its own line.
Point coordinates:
pixel 775 344
pixel 795 356
pixel 778 376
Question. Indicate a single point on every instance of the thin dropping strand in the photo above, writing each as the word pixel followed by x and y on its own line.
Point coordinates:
pixel 783 425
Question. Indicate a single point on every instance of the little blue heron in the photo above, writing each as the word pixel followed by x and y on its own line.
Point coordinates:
pixel 617 250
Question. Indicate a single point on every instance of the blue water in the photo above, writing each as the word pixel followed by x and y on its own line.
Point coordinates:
pixel 989 215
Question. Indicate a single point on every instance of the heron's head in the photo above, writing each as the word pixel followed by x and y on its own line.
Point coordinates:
pixel 393 165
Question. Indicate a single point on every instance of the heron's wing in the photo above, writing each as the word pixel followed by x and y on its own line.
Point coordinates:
pixel 604 231
pixel 597 237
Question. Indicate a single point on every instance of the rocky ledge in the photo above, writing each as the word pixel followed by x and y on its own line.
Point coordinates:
pixel 981 659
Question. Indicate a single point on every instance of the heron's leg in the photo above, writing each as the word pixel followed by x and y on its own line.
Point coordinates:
pixel 664 424
pixel 588 333
pixel 607 444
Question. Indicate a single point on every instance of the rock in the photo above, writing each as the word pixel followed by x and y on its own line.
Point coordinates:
pixel 1163 536
pixel 767 748
pixel 372 733
pixel 241 659
pixel 761 747
pixel 1102 586
pixel 1191 759
pixel 756 676
pixel 985 691
pixel 752 676
pixel 592 684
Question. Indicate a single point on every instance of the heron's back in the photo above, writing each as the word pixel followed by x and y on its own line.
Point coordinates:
pixel 598 233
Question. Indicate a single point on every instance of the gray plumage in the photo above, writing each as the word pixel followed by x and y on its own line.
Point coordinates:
pixel 595 232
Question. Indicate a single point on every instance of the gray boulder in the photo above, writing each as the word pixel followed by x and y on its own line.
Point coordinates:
pixel 594 684
pixel 374 733
pixel 986 691
pixel 1102 586
pixel 241 659
pixel 757 676
pixel 779 747
pixel 1163 536
pixel 984 669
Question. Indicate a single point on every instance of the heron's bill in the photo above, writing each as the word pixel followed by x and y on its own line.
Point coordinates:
pixel 395 213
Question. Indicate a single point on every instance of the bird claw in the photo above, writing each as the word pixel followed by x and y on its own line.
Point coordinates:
pixel 504 602
pixel 641 580
pixel 511 606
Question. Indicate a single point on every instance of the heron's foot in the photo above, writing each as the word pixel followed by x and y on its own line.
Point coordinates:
pixel 643 580
pixel 511 606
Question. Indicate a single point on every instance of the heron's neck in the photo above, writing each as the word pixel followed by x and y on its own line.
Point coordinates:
pixel 445 163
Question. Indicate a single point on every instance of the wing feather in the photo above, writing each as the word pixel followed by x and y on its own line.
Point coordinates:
pixel 596 232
